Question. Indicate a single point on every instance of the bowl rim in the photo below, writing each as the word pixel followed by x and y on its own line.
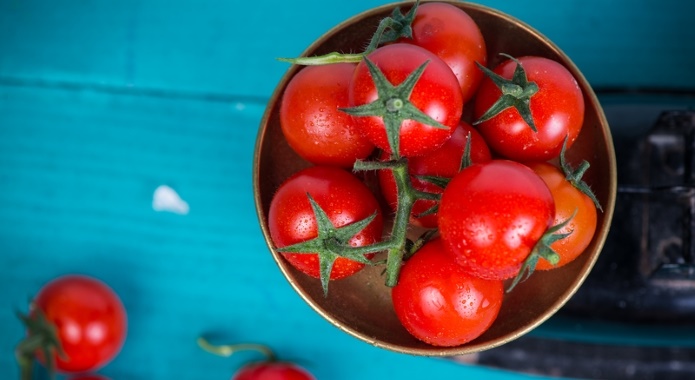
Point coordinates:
pixel 473 346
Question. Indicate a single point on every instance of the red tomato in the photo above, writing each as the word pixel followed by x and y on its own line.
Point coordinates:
pixel 491 215
pixel 90 320
pixel 311 121
pixel 342 196
pixel 436 94
pixel 557 110
pixel 273 371
pixel 568 199
pixel 444 162
pixel 442 304
pixel 451 34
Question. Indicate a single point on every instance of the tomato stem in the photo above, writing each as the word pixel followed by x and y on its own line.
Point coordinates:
pixel 574 176
pixel 227 350
pixel 389 29
pixel 406 198
pixel 515 92
pixel 396 245
pixel 41 336
pixel 542 250
pixel 25 365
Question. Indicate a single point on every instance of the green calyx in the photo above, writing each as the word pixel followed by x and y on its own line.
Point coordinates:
pixel 390 29
pixel 516 92
pixel 442 182
pixel 393 104
pixel 41 337
pixel 574 176
pixel 331 242
pixel 542 250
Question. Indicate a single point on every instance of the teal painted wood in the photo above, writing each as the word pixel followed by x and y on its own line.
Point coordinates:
pixel 219 47
pixel 78 169
pixel 102 102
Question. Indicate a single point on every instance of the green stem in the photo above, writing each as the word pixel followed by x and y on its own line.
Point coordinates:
pixel 390 29
pixel 227 350
pixel 326 59
pixel 395 245
pixel 406 199
pixel 381 246
pixel 25 366
pixel 425 195
pixel 577 175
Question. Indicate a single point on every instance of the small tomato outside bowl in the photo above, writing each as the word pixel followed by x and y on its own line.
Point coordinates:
pixel 361 305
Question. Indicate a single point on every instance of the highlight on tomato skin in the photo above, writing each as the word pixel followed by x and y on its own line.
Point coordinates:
pixel 441 303
pixel 492 215
pixel 89 319
pixel 273 371
pixel 311 119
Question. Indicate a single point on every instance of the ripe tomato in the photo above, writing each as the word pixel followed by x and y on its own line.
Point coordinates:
pixel 273 371
pixel 311 119
pixel 568 199
pixel 90 320
pixel 557 109
pixel 436 94
pixel 440 302
pixel 444 162
pixel 491 215
pixel 451 34
pixel 345 200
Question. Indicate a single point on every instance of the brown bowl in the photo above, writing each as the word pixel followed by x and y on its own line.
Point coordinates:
pixel 361 305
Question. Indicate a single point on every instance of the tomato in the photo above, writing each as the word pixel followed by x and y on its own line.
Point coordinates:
pixel 557 109
pixel 345 200
pixel 439 302
pixel 491 216
pixel 90 320
pixel 444 162
pixel 451 34
pixel 311 120
pixel 273 371
pixel 568 200
pixel 436 94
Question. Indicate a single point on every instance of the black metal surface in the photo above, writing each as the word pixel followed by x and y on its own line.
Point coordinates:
pixel 646 272
pixel 579 360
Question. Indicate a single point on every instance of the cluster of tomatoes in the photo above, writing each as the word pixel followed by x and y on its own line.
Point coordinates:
pixel 77 324
pixel 473 156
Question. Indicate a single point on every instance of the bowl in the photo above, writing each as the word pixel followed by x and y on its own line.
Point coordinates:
pixel 361 304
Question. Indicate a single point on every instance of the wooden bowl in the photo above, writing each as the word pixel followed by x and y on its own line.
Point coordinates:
pixel 361 305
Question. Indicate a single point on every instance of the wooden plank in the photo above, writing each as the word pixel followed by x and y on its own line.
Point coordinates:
pixel 78 169
pixel 214 46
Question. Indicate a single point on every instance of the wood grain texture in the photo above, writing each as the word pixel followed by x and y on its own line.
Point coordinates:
pixel 101 102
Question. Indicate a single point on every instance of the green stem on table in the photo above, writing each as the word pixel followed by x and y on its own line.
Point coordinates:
pixel 390 29
pixel 227 350
pixel 406 199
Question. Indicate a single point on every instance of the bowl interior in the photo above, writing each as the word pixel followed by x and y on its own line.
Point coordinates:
pixel 361 305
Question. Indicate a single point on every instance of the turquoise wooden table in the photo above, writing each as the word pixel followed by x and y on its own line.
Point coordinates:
pixel 102 103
